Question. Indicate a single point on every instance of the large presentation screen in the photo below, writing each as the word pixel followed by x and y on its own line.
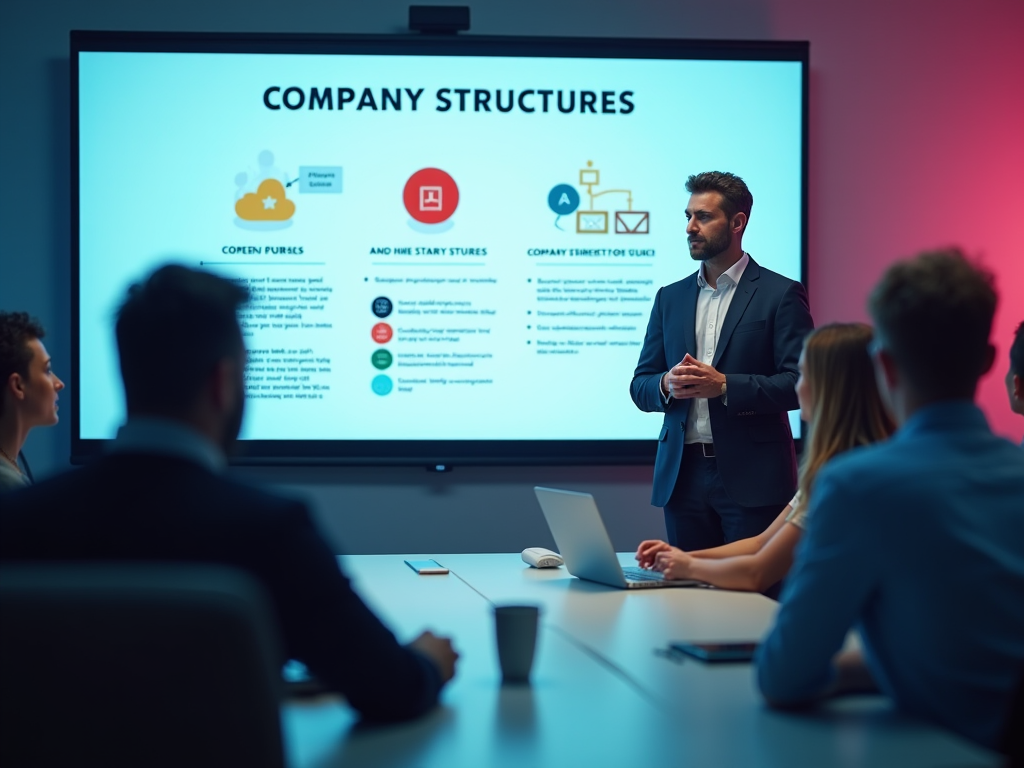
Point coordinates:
pixel 452 245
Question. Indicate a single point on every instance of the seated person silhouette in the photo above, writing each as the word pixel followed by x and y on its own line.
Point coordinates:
pixel 161 494
pixel 917 542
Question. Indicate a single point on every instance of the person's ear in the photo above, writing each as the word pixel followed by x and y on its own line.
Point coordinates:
pixel 1018 387
pixel 739 223
pixel 16 386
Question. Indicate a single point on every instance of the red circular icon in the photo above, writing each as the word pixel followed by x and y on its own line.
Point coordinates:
pixel 381 333
pixel 430 196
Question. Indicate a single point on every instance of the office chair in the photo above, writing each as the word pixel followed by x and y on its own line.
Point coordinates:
pixel 137 665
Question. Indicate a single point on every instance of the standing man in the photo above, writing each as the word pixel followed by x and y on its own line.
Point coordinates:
pixel 720 361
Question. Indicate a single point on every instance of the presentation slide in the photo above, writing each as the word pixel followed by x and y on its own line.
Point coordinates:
pixel 436 247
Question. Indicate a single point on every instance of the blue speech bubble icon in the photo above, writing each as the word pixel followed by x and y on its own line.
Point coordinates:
pixel 563 199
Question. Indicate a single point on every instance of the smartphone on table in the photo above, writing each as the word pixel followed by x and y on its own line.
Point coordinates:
pixel 426 567
pixel 713 652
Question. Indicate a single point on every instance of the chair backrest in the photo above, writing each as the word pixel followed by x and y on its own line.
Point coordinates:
pixel 137 665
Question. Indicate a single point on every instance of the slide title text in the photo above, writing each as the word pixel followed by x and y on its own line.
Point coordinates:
pixel 447 99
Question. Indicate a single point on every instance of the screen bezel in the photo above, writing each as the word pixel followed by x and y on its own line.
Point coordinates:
pixel 431 453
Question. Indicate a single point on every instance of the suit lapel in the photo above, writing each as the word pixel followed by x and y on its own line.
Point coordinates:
pixel 689 307
pixel 744 293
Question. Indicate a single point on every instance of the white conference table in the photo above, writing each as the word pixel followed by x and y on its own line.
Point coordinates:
pixel 600 694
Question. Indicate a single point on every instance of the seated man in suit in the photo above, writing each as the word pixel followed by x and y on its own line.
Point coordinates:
pixel 161 495
pixel 917 542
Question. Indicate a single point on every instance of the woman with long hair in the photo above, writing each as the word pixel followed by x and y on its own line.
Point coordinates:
pixel 839 398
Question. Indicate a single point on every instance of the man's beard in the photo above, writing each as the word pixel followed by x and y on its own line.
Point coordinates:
pixel 713 247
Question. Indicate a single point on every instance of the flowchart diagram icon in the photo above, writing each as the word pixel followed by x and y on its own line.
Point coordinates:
pixel 563 199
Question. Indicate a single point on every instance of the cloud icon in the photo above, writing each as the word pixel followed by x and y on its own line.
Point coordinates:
pixel 268 203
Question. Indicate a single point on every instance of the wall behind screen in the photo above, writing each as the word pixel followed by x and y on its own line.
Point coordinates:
pixel 915 142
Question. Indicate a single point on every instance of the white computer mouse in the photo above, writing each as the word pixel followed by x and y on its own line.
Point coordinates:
pixel 539 557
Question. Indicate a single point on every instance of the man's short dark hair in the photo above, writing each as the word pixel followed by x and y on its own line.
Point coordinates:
pixel 17 329
pixel 172 330
pixel 1017 352
pixel 736 198
pixel 934 314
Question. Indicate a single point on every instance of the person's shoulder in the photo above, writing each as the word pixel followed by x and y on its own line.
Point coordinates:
pixel 11 480
pixel 1008 450
pixel 857 488
pixel 679 285
pixel 865 467
pixel 260 519
pixel 770 277
pixel 1003 461
pixel 254 497
pixel 228 496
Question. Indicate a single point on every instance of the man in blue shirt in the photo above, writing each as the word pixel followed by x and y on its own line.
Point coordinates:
pixel 918 542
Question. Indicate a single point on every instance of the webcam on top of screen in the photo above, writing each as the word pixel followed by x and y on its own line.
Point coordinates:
pixel 439 19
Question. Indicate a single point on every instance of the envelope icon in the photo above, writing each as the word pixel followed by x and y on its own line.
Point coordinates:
pixel 632 222
pixel 592 222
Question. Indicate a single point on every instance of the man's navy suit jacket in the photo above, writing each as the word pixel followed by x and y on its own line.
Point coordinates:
pixel 758 351
pixel 139 508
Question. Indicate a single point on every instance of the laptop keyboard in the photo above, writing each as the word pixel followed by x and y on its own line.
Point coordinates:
pixel 639 574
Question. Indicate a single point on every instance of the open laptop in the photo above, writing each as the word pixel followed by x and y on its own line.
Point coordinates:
pixel 583 542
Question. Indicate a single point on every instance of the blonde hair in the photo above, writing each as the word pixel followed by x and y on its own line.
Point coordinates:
pixel 848 411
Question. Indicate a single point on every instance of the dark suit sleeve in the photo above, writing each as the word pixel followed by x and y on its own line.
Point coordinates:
pixel 329 628
pixel 645 388
pixel 776 393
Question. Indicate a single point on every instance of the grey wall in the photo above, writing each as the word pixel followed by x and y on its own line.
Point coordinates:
pixel 910 101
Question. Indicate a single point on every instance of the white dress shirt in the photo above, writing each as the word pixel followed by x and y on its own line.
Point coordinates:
pixel 712 306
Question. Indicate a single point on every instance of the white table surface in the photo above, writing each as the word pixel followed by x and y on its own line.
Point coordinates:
pixel 600 694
